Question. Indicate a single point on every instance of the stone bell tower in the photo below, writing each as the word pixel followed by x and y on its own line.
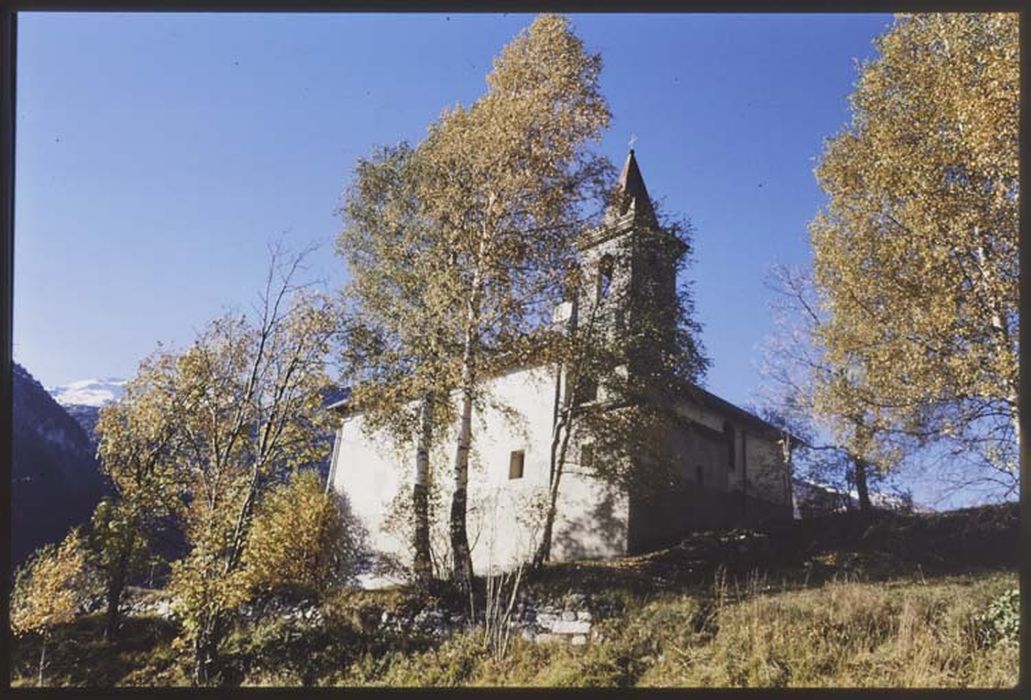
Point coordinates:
pixel 629 270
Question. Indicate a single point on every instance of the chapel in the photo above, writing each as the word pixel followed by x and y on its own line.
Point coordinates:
pixel 732 468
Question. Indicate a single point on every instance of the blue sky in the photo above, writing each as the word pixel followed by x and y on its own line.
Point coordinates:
pixel 158 155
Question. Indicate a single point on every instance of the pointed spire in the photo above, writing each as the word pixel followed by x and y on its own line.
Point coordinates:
pixel 632 195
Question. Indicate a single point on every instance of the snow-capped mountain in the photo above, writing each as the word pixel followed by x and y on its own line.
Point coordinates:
pixel 88 392
pixel 83 399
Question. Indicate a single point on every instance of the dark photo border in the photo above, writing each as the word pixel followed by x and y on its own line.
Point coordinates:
pixel 8 72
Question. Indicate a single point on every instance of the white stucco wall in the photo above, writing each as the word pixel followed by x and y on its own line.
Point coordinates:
pixel 504 516
pixel 769 477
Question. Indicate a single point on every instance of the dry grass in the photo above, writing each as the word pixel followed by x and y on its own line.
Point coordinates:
pixel 891 601
pixel 849 634
pixel 842 634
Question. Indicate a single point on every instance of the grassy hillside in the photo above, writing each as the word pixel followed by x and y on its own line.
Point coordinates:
pixel 905 634
pixel 845 601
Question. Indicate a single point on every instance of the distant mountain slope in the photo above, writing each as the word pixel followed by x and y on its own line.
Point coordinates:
pixel 83 399
pixel 55 483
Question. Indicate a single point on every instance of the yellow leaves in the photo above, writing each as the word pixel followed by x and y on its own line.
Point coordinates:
pixel 506 152
pixel 137 437
pixel 202 591
pixel 48 589
pixel 203 433
pixel 472 229
pixel 298 538
pixel 920 187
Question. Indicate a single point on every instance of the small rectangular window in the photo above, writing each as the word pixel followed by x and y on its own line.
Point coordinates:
pixel 587 456
pixel 515 464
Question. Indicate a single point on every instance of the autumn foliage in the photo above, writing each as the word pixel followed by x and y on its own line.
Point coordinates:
pixel 302 539
pixel 916 253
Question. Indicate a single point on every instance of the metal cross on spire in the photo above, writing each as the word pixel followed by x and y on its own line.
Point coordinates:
pixel 633 140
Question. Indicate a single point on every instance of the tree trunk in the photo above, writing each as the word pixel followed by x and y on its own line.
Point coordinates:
pixel 543 552
pixel 114 601
pixel 115 589
pixel 1015 422
pixel 564 426
pixel 420 495
pixel 462 573
pixel 205 661
pixel 862 487
pixel 559 448
pixel 201 663
pixel 42 657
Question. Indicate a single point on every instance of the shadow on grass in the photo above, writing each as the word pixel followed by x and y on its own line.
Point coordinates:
pixel 872 547
pixel 78 655
pixel 794 555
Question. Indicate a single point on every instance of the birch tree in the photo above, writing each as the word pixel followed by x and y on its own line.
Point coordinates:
pixel 303 540
pixel 248 398
pixel 400 328
pixel 916 251
pixel 136 438
pixel 509 181
pixel 48 591
pixel 850 446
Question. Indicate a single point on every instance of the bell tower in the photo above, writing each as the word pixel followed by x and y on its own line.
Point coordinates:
pixel 629 269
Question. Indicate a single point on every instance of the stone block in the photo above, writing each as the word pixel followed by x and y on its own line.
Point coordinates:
pixel 571 627
pixel 578 640
pixel 569 616
pixel 584 615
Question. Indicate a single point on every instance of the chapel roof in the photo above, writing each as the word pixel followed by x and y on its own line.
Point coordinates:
pixel 710 400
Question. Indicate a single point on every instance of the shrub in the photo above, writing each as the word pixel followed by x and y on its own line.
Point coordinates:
pixel 303 539
pixel 1000 623
pixel 49 590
